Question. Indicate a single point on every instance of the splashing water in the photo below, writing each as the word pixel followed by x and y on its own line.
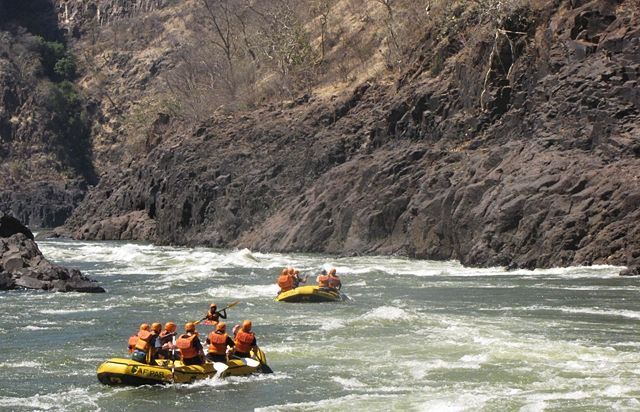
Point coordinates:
pixel 417 335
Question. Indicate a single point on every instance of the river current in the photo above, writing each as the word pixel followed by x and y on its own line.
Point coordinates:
pixel 416 335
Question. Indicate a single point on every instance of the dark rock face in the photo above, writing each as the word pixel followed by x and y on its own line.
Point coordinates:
pixel 22 265
pixel 522 152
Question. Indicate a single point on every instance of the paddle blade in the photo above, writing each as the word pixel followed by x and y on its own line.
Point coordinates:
pixel 220 367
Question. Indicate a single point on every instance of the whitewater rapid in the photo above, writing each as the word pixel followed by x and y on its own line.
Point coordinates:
pixel 417 335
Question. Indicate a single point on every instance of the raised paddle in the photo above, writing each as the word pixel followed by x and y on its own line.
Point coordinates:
pixel 230 305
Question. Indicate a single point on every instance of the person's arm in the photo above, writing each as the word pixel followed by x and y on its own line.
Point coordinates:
pixel 223 313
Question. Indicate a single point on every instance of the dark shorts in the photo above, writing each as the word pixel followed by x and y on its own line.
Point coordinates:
pixel 192 361
pixel 242 355
pixel 216 358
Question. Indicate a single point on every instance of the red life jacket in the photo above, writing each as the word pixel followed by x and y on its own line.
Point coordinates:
pixel 334 282
pixel 323 281
pixel 132 342
pixel 185 344
pixel 285 282
pixel 244 341
pixel 217 343
pixel 144 340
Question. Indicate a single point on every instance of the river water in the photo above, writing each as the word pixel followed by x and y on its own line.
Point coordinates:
pixel 417 335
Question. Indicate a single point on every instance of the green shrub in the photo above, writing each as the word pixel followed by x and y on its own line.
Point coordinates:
pixel 57 63
pixel 65 68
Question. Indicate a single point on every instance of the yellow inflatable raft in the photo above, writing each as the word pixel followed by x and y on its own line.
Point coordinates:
pixel 311 293
pixel 123 371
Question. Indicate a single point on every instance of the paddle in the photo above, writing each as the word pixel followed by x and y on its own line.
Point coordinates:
pixel 252 363
pixel 230 305
pixel 173 358
pixel 220 367
pixel 262 358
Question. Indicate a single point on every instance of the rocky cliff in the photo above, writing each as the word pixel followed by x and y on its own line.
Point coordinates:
pixel 498 133
pixel 514 145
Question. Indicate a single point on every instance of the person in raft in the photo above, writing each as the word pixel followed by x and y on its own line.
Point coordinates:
pixel 323 279
pixel 144 348
pixel 297 280
pixel 245 341
pixel 213 316
pixel 220 344
pixel 131 344
pixel 334 280
pixel 191 351
pixel 290 279
pixel 165 348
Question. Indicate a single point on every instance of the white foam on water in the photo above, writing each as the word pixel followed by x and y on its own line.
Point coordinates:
pixel 460 402
pixel 348 383
pixel 388 313
pixel 332 324
pixel 23 364
pixel 630 314
pixel 242 258
pixel 243 291
pixel 77 310
pixel 34 327
pixel 348 401
pixel 75 398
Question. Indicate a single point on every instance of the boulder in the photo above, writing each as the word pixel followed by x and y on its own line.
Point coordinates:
pixel 22 265
pixel 632 271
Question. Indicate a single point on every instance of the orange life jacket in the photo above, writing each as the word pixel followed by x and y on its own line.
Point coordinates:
pixel 334 282
pixel 217 343
pixel 132 342
pixel 144 340
pixel 185 344
pixel 285 282
pixel 244 341
pixel 323 281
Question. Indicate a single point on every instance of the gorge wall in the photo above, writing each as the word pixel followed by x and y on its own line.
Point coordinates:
pixel 511 143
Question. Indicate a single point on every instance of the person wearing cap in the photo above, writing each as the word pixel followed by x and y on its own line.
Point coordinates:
pixel 285 281
pixel 164 344
pixel 323 279
pixel 219 342
pixel 144 346
pixel 334 280
pixel 213 316
pixel 131 343
pixel 191 352
pixel 245 341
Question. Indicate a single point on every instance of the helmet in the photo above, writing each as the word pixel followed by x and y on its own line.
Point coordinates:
pixel 296 272
pixel 156 327
pixel 170 327
pixel 144 326
pixel 284 271
pixel 221 326
pixel 189 327
pixel 246 325
pixel 332 271
pixel 213 306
